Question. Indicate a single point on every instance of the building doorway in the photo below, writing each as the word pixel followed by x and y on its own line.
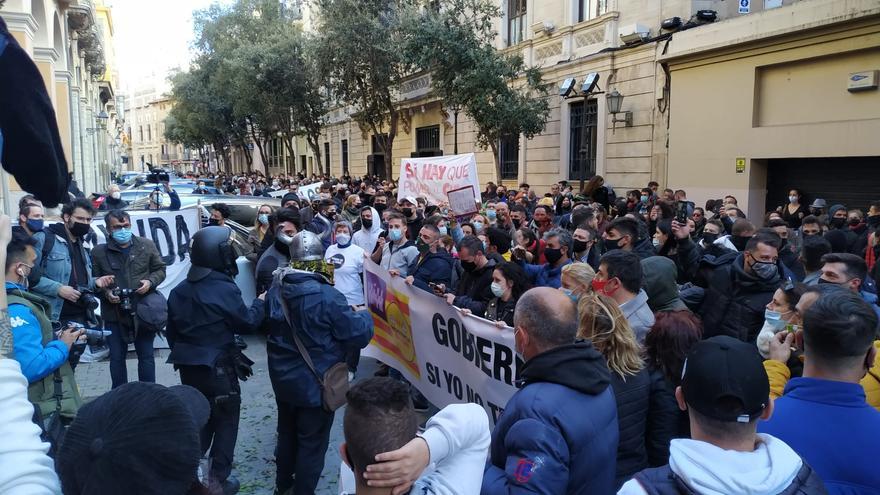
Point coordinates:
pixel 851 181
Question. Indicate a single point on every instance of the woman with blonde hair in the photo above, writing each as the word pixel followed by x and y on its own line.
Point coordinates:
pixel 646 422
pixel 577 280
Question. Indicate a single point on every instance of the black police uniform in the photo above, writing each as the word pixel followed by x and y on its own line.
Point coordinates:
pixel 204 312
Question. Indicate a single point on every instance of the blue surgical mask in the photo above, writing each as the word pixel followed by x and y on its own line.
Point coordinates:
pixel 497 290
pixel 443 230
pixel 570 293
pixel 34 225
pixel 491 214
pixel 263 218
pixel 122 236
pixel 478 226
pixel 774 319
pixel 395 234
pixel 644 199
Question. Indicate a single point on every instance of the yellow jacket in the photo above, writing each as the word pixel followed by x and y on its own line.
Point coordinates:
pixel 779 374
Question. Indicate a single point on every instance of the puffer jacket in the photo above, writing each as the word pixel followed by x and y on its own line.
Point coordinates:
pixel 327 326
pixel 779 374
pixel 646 422
pixel 558 434
pixel 432 268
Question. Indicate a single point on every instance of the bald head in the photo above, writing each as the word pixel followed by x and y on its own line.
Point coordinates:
pixel 548 316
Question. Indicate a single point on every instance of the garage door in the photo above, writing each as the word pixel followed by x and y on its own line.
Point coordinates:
pixel 853 182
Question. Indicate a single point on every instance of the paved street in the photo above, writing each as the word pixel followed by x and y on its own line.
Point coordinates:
pixel 254 457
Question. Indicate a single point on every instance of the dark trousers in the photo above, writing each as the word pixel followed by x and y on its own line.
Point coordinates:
pixel 143 346
pixel 352 359
pixel 303 438
pixel 220 386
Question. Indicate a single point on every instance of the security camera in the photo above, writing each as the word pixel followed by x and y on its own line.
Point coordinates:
pixel 567 86
pixel 590 83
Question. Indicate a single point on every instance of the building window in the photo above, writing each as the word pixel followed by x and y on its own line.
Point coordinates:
pixel 275 152
pixel 508 151
pixel 327 158
pixel 302 163
pixel 345 157
pixel 149 133
pixel 582 150
pixel 516 21
pixel 428 138
pixel 141 133
pixel 589 9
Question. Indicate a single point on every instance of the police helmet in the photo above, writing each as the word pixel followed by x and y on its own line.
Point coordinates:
pixel 212 251
pixel 306 246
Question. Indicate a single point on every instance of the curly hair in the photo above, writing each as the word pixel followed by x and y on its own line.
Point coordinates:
pixel 602 322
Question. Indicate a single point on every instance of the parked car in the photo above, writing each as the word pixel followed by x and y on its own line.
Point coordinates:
pixel 243 208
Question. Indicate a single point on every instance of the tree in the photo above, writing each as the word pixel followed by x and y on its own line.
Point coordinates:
pixel 501 95
pixel 358 48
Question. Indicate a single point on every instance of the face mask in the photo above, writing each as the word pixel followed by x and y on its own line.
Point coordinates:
pixel 552 255
pixel 443 230
pixel 764 271
pixel 122 236
pixel 656 242
pixel 79 229
pixel 598 285
pixel 853 222
pixel 331 215
pixel 579 246
pixel 343 240
pixel 468 266
pixel 395 234
pixel 407 212
pixel 263 218
pixel 213 221
pixel 380 207
pixel 115 195
pixel 644 199
pixel 709 239
pixel 492 214
pixel 34 225
pixel 353 210
pixel 478 226
pixel 838 222
pixel 611 244
pixel 739 242
pixel 367 223
pixel 516 223
pixel 497 290
pixel 792 199
pixel 774 319
pixel 423 246
pixel 571 295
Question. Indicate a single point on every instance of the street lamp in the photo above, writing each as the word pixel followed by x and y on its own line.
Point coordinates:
pixel 100 121
pixel 615 101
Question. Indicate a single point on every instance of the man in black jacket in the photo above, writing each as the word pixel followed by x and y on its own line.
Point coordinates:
pixel 287 224
pixel 434 264
pixel 474 290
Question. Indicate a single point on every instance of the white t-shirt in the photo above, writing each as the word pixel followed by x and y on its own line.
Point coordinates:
pixel 348 265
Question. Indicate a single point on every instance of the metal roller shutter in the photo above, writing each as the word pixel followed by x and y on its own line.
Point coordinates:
pixel 853 182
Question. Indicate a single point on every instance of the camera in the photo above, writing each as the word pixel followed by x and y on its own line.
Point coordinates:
pixel 88 301
pixel 157 176
pixel 91 336
pixel 125 299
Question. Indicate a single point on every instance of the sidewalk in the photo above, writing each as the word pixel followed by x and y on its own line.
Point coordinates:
pixel 254 452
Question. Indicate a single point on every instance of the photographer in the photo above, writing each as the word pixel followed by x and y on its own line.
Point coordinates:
pixel 43 358
pixel 137 268
pixel 65 265
pixel 156 195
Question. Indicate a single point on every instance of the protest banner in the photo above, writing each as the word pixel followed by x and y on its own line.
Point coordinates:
pixel 170 230
pixel 449 357
pixel 435 176
pixel 308 192
pixel 461 201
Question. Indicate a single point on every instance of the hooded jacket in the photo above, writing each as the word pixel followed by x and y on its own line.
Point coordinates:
pixel 660 284
pixel 327 326
pixel 831 425
pixel 558 434
pixel 432 268
pixel 734 301
pixel 639 315
pixel 645 248
pixel 697 467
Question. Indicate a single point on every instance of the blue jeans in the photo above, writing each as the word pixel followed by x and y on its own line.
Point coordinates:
pixel 143 345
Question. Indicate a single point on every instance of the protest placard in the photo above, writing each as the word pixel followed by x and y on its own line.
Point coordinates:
pixel 433 177
pixel 461 201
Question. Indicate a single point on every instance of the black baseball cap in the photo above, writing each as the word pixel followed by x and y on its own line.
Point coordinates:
pixel 723 368
pixel 140 435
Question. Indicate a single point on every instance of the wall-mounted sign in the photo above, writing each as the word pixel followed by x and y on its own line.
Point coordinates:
pixel 772 4
pixel 740 165
pixel 745 6
pixel 862 81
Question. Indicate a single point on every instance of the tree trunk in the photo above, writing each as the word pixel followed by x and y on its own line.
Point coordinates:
pixel 389 144
pixel 495 157
pixel 316 149
pixel 256 137
pixel 288 143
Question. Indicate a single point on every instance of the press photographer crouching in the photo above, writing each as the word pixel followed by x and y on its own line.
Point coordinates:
pixel 42 353
pixel 133 310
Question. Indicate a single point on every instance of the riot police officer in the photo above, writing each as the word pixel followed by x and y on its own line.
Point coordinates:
pixel 328 329
pixel 204 312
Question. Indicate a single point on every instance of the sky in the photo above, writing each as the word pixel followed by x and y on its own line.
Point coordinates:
pixel 151 37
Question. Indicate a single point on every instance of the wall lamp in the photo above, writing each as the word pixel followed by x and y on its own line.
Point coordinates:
pixel 615 101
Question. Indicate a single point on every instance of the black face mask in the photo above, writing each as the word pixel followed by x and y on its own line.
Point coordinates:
pixel 353 210
pixel 213 221
pixel 422 246
pixel 516 223
pixel 709 239
pixel 838 222
pixel 367 223
pixel 468 266
pixel 608 244
pixel 579 246
pixel 552 255
pixel 854 222
pixel 739 242
pixel 407 212
pixel 79 229
pixel 380 207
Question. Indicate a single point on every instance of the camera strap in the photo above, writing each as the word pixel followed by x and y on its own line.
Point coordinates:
pixel 59 390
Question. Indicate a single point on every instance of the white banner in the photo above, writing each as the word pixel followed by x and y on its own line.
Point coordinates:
pixel 170 230
pixel 305 192
pixel 449 357
pixel 433 177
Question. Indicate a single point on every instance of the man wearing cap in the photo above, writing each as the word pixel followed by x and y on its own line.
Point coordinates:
pixel 138 438
pixel 724 388
pixel 414 217
pixel 204 313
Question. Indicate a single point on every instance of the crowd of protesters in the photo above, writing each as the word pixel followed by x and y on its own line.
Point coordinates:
pixel 668 347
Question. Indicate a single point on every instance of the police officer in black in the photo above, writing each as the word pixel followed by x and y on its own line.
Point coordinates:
pixel 204 312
